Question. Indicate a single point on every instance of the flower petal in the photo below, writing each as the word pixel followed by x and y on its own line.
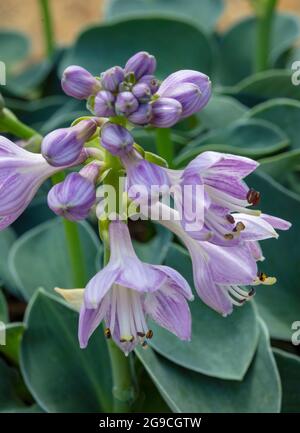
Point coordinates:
pixel 74 297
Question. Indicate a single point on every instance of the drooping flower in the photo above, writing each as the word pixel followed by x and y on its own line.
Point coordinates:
pixel 21 174
pixel 79 83
pixel 220 273
pixel 126 291
pixel 63 146
pixel 74 197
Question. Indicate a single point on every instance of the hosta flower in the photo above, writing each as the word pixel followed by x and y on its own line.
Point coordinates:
pixel 116 139
pixel 79 83
pixel 126 291
pixel 63 146
pixel 74 197
pixel 220 273
pixel 140 64
pixel 21 175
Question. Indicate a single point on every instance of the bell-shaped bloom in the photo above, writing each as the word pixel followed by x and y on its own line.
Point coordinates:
pixel 21 175
pixel 166 112
pixel 112 78
pixel 220 273
pixel 74 197
pixel 116 139
pixel 79 83
pixel 127 291
pixel 142 63
pixel 191 88
pixel 104 104
pixel 63 147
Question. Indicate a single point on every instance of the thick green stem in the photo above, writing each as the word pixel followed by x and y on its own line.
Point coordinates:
pixel 164 144
pixel 47 27
pixel 265 15
pixel 122 374
pixel 10 123
pixel 75 252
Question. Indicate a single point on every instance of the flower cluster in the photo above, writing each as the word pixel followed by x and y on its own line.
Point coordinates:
pixel 222 236
pixel 134 92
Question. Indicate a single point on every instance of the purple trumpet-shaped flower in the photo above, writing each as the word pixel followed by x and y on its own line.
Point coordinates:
pixel 220 272
pixel 116 139
pixel 165 112
pixel 191 88
pixel 79 83
pixel 74 197
pixel 21 175
pixel 126 103
pixel 63 146
pixel 127 291
pixel 104 105
pixel 112 78
pixel 141 64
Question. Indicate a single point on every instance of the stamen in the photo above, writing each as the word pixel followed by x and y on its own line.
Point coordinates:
pixel 253 196
pixel 252 292
pixel 262 276
pixel 149 334
pixel 239 227
pixel 107 333
pixel 228 236
pixel 230 218
pixel 141 334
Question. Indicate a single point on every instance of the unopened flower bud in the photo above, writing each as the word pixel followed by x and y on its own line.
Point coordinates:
pixel 190 97
pixel 142 115
pixel 63 147
pixel 104 104
pixel 79 83
pixel 72 198
pixel 140 64
pixel 142 92
pixel 126 103
pixel 116 139
pixel 151 81
pixel 111 78
pixel 165 112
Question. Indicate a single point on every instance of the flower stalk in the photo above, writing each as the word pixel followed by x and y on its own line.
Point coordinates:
pixel 165 145
pixel 47 27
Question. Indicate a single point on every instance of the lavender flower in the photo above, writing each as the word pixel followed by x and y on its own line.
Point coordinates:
pixel 79 83
pixel 104 104
pixel 63 146
pixel 165 112
pixel 116 139
pixel 74 197
pixel 141 64
pixel 21 175
pixel 127 291
pixel 112 78
pixel 126 103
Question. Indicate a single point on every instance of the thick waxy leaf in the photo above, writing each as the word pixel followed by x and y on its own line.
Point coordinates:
pixel 284 113
pixel 39 258
pixel 279 305
pixel 61 376
pixel 9 399
pixel 13 336
pixel 204 13
pixel 221 111
pixel 238 334
pixel 263 86
pixel 187 391
pixel 3 310
pixel 7 238
pixel 237 61
pixel 253 138
pixel 284 168
pixel 177 45
pixel 289 370
pixel 14 47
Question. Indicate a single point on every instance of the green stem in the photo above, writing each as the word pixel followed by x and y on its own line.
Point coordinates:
pixel 265 17
pixel 164 144
pixel 10 123
pixel 47 27
pixel 123 387
pixel 74 245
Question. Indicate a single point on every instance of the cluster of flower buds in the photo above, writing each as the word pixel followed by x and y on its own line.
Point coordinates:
pixel 135 93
